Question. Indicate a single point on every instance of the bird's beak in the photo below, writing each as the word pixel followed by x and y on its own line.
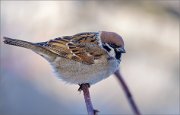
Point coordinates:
pixel 122 50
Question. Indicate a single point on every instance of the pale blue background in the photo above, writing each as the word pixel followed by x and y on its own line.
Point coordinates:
pixel 150 67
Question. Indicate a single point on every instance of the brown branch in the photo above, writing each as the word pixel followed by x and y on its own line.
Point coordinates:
pixel 128 93
pixel 87 98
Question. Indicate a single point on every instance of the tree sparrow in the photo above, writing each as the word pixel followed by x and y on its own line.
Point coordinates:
pixel 82 58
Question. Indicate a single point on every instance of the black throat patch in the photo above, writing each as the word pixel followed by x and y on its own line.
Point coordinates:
pixel 117 54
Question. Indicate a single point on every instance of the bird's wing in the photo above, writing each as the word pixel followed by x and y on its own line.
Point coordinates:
pixel 81 47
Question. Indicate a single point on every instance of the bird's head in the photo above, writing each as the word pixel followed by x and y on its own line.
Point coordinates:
pixel 113 44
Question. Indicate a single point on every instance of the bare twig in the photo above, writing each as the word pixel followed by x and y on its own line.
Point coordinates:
pixel 128 93
pixel 87 98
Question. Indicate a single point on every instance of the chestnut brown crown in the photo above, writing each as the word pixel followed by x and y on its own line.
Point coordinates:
pixel 113 38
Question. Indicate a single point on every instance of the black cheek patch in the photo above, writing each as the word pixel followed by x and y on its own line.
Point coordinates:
pixel 107 48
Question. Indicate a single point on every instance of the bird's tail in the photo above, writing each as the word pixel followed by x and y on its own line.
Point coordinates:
pixel 19 43
pixel 33 46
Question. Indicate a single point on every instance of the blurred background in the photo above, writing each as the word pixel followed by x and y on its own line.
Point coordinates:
pixel 150 67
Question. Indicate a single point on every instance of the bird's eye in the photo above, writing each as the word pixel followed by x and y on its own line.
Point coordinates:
pixel 114 45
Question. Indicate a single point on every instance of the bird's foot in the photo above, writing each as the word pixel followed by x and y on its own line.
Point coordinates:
pixel 95 112
pixel 81 86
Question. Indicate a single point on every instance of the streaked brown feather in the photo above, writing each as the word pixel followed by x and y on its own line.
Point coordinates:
pixel 81 47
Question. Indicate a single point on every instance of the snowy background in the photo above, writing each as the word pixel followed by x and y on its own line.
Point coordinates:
pixel 150 67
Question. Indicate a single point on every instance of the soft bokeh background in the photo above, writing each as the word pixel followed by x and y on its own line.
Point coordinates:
pixel 150 67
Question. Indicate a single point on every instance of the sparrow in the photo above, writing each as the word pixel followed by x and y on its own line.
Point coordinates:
pixel 87 57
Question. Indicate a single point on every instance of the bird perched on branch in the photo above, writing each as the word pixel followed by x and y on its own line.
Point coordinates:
pixel 82 58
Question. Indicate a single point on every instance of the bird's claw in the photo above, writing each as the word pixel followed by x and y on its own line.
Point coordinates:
pixel 95 112
pixel 81 86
